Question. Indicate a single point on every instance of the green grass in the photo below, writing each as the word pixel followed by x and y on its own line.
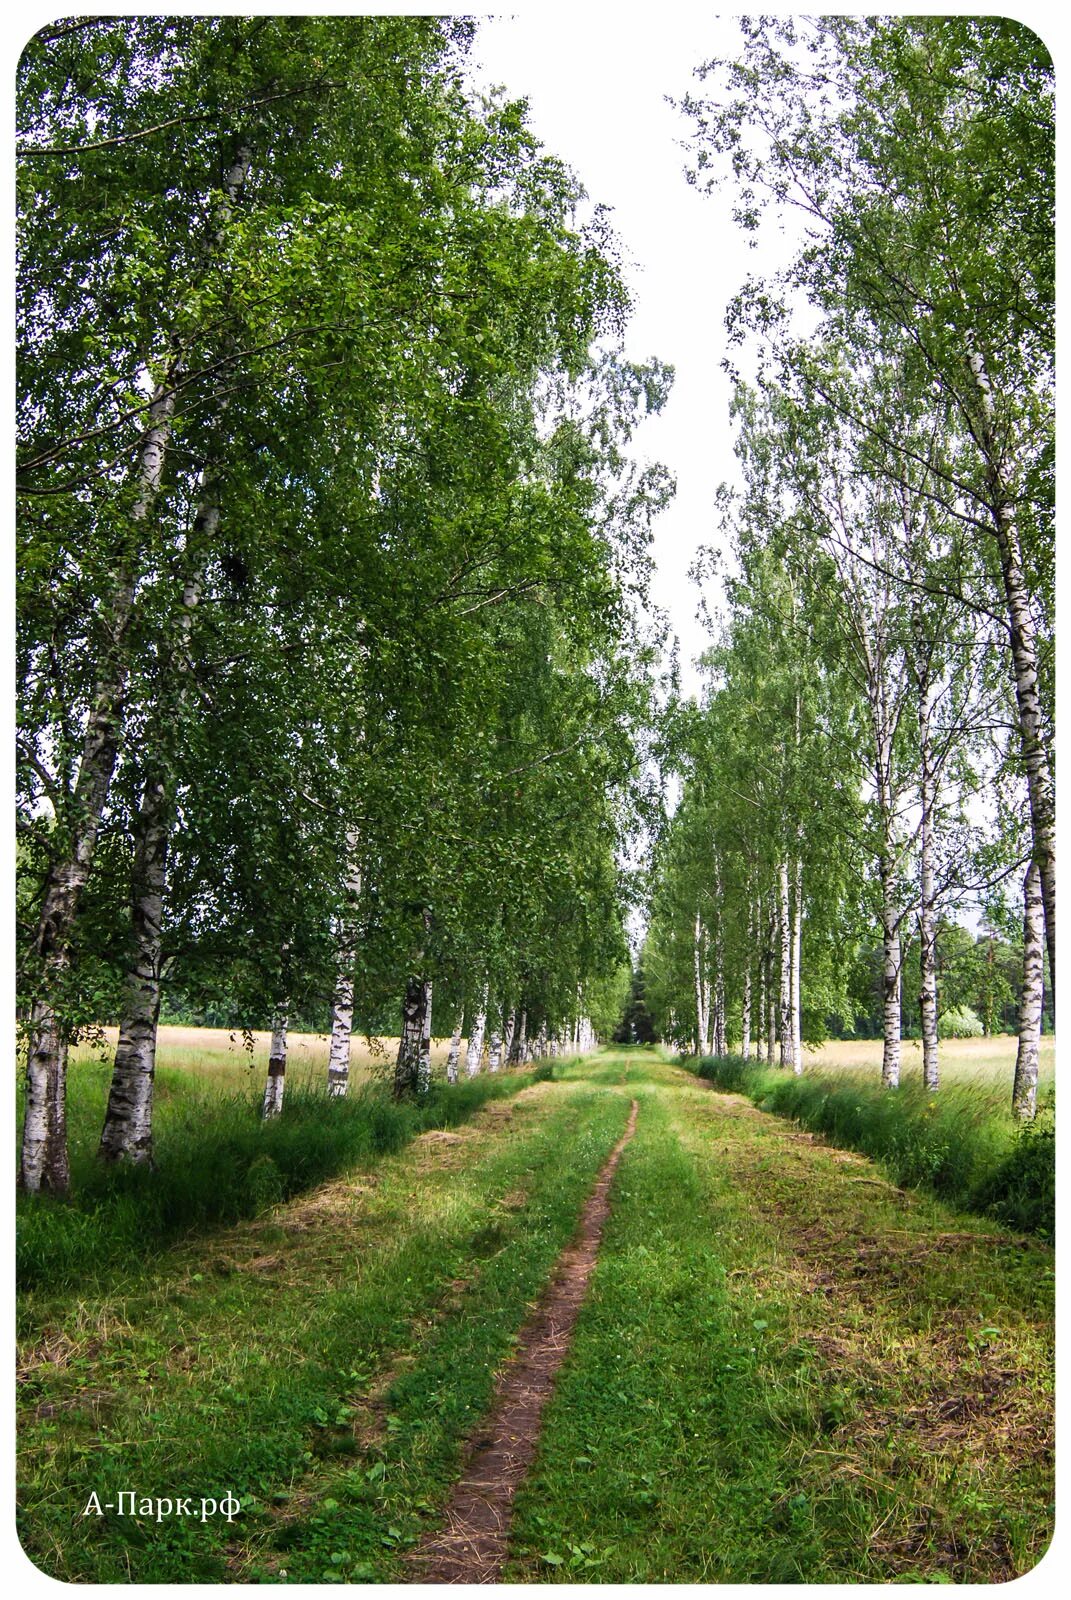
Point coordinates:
pixel 962 1142
pixel 777 1376
pixel 787 1368
pixel 215 1163
pixel 323 1364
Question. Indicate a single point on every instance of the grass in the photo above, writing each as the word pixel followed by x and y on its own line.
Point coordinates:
pixel 215 1161
pixel 962 1142
pixel 323 1363
pixel 787 1369
pixel 987 1060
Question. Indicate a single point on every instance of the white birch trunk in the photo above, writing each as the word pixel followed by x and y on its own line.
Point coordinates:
pixel 423 1081
pixel 453 1055
pixel 127 1132
pixel 1023 641
pixel 494 1050
pixel 541 1041
pixel 276 1082
pixel 507 1037
pixel 407 1069
pixel 797 939
pixel 927 920
pixel 1025 1086
pixel 338 1056
pixel 474 1053
pixel 890 973
pixel 519 1052
pixel 786 967
pixel 702 988
pixel 745 1005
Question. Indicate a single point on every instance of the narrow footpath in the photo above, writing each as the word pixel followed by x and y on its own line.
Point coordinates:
pixel 473 1545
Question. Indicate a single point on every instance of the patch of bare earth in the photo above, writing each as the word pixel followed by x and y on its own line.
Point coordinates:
pixel 473 1545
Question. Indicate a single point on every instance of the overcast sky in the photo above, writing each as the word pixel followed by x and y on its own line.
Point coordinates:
pixel 597 90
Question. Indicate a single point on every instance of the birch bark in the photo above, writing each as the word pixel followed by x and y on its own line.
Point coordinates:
pixel 927 893
pixel 476 1032
pixel 797 939
pixel 1025 1085
pixel 338 1056
pixel 276 1082
pixel 745 1008
pixel 453 1055
pixel 786 965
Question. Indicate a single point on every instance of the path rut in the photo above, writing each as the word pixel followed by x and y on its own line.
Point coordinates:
pixel 473 1544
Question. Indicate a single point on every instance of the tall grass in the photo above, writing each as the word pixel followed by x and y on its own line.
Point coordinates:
pixel 961 1143
pixel 216 1163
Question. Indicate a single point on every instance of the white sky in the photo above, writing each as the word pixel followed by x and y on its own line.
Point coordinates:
pixel 596 87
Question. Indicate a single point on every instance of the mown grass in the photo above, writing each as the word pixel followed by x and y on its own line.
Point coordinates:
pixel 789 1371
pixel 962 1142
pixel 323 1363
pixel 215 1162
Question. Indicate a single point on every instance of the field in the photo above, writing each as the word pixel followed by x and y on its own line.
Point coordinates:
pixel 991 1059
pixel 785 1367
pixel 219 1056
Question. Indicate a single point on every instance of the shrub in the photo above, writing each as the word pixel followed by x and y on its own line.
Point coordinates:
pixel 960 1023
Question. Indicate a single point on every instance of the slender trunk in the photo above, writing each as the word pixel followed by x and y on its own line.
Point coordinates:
pixel 797 939
pixel 541 1041
pixel 519 1052
pixel 411 1043
pixel 507 1040
pixel 454 1052
pixel 1032 747
pixel 702 992
pixel 494 1049
pixel 891 963
pixel 476 1032
pixel 786 967
pixel 745 1006
pixel 1025 1087
pixel 276 1083
pixel 44 1162
pixel 338 1056
pixel 424 1062
pixel 127 1133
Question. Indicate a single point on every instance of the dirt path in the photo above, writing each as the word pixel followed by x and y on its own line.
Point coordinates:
pixel 472 1546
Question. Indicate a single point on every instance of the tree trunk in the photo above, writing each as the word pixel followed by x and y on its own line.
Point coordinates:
pixel 745 1006
pixel 1035 756
pixel 702 992
pixel 411 1043
pixel 338 1057
pixel 507 1039
pixel 454 1052
pixel 519 1052
pixel 541 1041
pixel 786 967
pixel 44 1165
pixel 1025 1087
pixel 890 970
pixel 476 1032
pixel 276 1084
pixel 424 1062
pixel 797 938
pixel 127 1133
pixel 494 1049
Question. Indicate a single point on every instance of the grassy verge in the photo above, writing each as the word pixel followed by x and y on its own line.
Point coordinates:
pixel 961 1142
pixel 790 1371
pixel 323 1363
pixel 216 1163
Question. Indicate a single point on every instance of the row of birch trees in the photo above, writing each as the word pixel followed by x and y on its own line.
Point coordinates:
pixel 877 739
pixel 330 550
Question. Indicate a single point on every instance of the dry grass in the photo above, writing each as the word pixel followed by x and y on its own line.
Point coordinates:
pixel 220 1057
pixel 960 1059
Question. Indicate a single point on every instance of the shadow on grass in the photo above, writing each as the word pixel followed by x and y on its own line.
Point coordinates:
pixel 216 1164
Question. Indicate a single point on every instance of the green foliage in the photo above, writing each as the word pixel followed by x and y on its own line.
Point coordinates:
pixel 961 1023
